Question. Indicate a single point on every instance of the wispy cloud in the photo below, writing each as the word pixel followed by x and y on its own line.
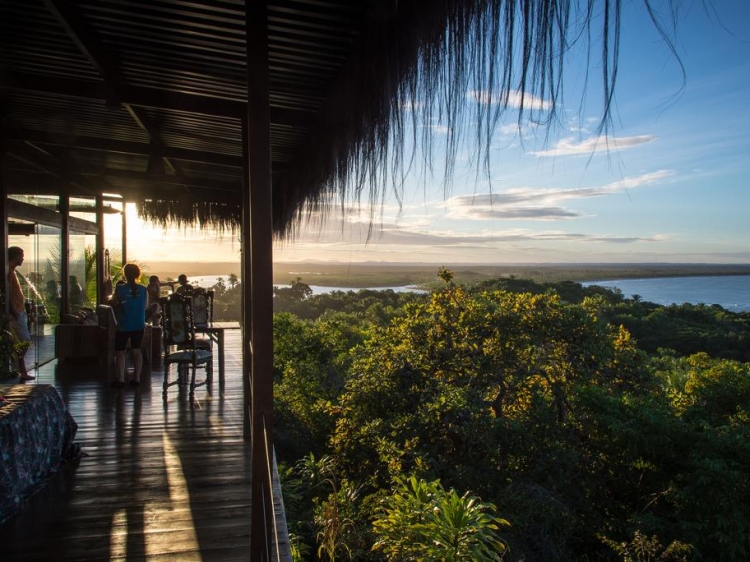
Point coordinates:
pixel 539 204
pixel 518 213
pixel 512 99
pixel 572 147
pixel 393 235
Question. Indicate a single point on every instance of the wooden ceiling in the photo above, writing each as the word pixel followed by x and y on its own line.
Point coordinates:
pixel 146 97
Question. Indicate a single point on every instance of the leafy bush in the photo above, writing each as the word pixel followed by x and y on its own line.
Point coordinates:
pixel 423 521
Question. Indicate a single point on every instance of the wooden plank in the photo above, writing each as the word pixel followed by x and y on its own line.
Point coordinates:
pixel 161 481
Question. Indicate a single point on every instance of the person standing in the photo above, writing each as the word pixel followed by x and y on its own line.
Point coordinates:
pixel 19 322
pixel 129 302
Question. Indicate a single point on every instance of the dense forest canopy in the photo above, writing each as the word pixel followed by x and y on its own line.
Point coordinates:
pixel 511 418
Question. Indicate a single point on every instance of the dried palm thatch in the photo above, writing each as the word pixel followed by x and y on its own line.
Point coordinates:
pixel 191 212
pixel 456 63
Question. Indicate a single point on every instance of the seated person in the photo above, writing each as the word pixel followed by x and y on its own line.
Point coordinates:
pixel 75 292
pixel 185 288
pixel 153 310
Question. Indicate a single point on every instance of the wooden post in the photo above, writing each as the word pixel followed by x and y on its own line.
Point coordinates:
pixel 64 207
pixel 247 282
pixel 124 233
pixel 100 296
pixel 261 268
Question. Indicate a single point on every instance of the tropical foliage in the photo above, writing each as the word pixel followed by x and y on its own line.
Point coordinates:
pixel 426 423
pixel 423 521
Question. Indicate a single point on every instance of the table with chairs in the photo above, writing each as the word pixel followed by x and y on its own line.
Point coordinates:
pixel 190 336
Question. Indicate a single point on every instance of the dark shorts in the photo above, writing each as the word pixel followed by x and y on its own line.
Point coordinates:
pixel 121 340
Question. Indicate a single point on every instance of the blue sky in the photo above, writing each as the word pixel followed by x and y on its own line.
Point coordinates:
pixel 669 183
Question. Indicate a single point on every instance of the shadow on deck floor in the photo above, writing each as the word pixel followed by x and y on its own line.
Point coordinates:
pixel 159 480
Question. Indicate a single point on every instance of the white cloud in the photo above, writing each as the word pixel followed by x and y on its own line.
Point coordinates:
pixel 539 204
pixel 570 146
pixel 513 98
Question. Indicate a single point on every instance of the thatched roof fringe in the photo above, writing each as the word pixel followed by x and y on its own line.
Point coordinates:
pixel 191 212
pixel 460 64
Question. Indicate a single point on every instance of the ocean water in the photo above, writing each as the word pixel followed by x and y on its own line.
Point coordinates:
pixel 731 292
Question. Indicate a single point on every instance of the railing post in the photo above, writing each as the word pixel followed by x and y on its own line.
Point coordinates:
pixel 261 264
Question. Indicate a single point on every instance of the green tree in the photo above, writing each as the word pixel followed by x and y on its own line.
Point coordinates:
pixel 442 378
pixel 310 364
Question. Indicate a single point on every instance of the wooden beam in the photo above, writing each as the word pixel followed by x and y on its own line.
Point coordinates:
pixel 125 147
pixel 143 178
pixel 20 210
pixel 45 162
pixel 84 178
pixel 261 282
pixel 143 121
pixel 78 31
pixel 156 98
pixel 37 183
pixel 138 185
pixel 99 56
pixel 21 229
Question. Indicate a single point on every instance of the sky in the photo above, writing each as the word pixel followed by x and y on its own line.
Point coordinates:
pixel 670 182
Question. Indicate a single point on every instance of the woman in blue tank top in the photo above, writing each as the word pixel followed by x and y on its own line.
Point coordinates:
pixel 129 302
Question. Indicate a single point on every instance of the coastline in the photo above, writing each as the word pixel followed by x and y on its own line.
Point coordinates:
pixel 390 274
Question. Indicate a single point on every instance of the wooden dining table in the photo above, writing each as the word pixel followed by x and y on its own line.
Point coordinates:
pixel 215 331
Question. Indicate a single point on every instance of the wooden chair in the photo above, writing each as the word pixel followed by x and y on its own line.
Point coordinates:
pixel 203 315
pixel 178 331
pixel 203 306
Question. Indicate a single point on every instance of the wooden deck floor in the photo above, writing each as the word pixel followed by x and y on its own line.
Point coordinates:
pixel 161 481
